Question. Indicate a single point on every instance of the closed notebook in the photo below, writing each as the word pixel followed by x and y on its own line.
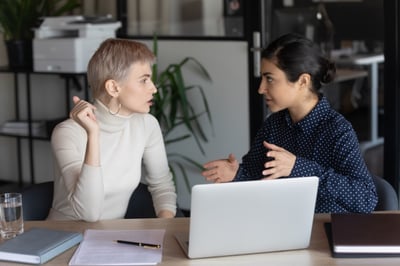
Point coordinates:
pixel 38 245
pixel 358 235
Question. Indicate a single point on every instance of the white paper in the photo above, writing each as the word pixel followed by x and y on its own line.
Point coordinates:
pixel 99 248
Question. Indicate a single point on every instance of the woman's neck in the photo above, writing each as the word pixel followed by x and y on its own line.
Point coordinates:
pixel 305 106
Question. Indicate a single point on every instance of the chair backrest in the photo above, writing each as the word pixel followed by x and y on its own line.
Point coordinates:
pixel 37 200
pixel 387 196
pixel 141 204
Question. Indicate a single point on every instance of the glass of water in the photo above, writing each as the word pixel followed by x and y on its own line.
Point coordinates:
pixel 11 217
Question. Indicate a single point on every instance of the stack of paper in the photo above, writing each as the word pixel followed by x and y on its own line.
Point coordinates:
pixel 99 247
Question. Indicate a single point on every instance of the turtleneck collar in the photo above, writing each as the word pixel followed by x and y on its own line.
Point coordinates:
pixel 107 121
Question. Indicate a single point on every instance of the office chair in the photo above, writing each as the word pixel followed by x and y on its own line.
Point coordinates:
pixel 37 200
pixel 141 204
pixel 387 197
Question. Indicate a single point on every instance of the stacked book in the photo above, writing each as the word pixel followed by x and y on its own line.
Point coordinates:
pixel 355 235
pixel 38 245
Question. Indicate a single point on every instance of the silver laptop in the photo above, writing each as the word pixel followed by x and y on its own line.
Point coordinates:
pixel 250 217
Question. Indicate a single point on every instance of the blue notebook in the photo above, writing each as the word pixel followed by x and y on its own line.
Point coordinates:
pixel 38 245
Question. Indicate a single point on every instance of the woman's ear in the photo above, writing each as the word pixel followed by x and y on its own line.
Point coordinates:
pixel 304 81
pixel 112 87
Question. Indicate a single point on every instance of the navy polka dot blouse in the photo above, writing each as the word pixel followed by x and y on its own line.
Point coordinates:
pixel 326 146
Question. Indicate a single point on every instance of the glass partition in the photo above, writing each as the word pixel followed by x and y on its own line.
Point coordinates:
pixel 173 18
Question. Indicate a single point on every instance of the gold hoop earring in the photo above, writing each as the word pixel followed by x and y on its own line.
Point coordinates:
pixel 119 109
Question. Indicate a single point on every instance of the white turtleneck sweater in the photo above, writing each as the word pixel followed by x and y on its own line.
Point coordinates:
pixel 84 192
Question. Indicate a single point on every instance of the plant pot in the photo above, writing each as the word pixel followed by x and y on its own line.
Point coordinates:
pixel 19 54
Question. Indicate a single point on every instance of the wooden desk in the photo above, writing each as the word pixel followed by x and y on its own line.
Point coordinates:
pixel 345 74
pixel 317 254
pixel 332 90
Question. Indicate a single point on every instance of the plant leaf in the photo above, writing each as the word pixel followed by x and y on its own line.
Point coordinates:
pixel 173 109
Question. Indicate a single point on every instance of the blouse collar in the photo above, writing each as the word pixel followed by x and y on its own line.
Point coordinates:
pixel 319 113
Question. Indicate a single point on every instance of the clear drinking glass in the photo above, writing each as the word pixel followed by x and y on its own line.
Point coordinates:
pixel 11 216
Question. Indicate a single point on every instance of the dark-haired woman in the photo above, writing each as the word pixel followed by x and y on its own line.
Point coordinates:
pixel 303 136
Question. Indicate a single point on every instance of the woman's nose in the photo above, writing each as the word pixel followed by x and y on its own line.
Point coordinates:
pixel 154 88
pixel 262 88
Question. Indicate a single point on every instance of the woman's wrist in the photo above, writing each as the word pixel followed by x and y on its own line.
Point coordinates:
pixel 165 214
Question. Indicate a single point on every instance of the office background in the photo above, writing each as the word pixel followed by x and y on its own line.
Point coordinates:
pixel 221 36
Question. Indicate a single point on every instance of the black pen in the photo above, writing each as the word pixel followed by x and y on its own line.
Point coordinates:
pixel 139 244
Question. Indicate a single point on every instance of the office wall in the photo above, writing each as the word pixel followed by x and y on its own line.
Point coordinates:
pixel 227 95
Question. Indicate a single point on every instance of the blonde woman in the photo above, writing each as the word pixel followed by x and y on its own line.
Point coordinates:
pixel 99 152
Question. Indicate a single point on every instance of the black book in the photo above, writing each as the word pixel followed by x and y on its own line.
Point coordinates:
pixel 359 235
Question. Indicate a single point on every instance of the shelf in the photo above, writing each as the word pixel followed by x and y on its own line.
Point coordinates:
pixel 32 133
pixel 41 129
pixel 40 136
pixel 73 76
pixel 6 69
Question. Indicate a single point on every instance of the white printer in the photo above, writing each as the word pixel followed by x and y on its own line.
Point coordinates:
pixel 65 44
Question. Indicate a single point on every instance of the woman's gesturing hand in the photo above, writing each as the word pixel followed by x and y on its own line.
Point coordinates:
pixel 83 114
pixel 281 164
pixel 222 170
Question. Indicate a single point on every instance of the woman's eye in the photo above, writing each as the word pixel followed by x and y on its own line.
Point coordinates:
pixel 144 81
pixel 269 79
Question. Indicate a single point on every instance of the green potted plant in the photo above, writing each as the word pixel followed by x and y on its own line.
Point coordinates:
pixel 173 109
pixel 18 18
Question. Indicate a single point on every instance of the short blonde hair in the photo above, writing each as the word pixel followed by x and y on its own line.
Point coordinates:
pixel 112 61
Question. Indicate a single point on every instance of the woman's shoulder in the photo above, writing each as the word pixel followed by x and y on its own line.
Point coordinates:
pixel 67 123
pixel 68 127
pixel 337 118
pixel 336 123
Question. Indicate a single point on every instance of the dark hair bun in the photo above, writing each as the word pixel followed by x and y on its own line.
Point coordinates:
pixel 330 72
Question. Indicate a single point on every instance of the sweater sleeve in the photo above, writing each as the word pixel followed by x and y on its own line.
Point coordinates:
pixel 158 175
pixel 83 184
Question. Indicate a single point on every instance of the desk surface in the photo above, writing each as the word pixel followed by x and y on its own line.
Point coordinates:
pixel 317 254
pixel 346 74
pixel 360 59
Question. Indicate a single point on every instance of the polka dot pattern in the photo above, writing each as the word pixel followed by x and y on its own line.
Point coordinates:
pixel 326 146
